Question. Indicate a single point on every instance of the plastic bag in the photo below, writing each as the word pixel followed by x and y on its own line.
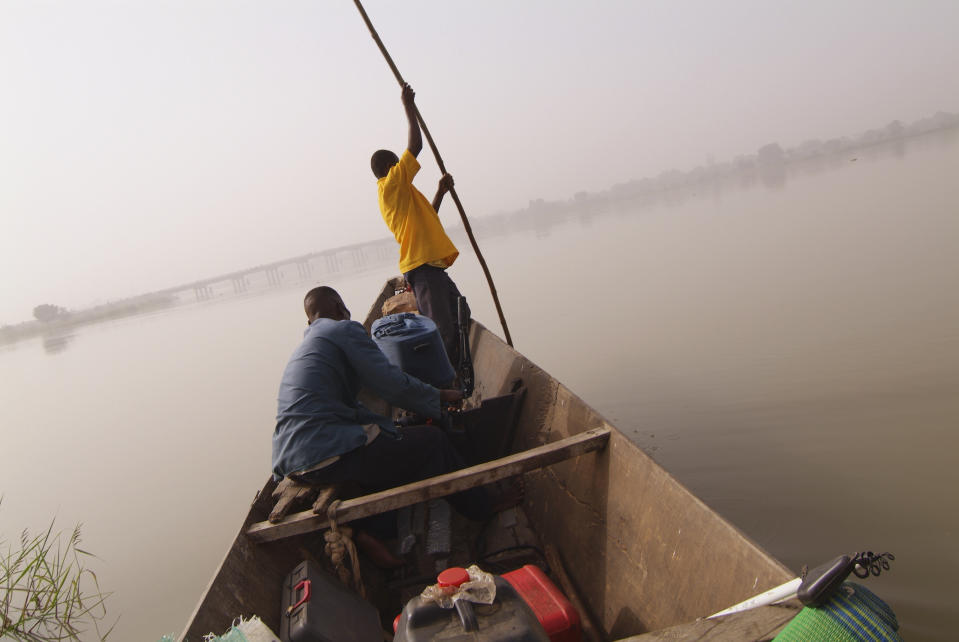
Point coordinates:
pixel 243 630
pixel 480 589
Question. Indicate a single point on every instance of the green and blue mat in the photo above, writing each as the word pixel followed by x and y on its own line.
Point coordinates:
pixel 853 614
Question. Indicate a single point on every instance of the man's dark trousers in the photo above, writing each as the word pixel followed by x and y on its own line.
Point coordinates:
pixel 436 298
pixel 386 462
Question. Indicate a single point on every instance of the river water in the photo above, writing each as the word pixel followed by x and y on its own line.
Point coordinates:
pixel 789 352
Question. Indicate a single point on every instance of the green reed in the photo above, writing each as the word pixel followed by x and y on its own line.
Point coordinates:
pixel 46 590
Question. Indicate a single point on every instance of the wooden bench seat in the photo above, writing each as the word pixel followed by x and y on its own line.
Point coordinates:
pixel 432 488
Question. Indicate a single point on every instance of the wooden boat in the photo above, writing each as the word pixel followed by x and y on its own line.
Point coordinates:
pixel 638 554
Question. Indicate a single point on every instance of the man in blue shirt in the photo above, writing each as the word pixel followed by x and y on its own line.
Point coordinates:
pixel 325 435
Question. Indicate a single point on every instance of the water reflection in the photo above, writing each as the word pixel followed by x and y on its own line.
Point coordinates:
pixel 56 343
pixel 790 354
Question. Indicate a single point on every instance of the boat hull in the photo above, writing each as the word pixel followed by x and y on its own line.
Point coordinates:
pixel 642 552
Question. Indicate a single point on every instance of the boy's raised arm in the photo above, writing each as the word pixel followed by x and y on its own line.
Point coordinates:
pixel 415 141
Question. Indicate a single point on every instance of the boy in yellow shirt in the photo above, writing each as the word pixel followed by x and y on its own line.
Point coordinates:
pixel 425 249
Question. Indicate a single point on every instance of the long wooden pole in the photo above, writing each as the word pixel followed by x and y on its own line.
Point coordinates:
pixel 439 162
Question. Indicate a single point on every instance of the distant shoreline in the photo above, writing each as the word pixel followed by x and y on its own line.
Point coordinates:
pixel 67 320
pixel 767 166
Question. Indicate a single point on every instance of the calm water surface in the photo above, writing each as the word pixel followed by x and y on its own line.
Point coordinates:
pixel 791 354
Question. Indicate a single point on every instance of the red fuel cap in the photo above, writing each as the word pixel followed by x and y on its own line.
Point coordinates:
pixel 453 577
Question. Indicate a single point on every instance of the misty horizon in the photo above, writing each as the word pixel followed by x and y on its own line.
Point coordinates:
pixel 941 119
pixel 145 143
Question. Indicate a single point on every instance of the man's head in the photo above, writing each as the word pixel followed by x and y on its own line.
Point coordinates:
pixel 381 162
pixel 324 303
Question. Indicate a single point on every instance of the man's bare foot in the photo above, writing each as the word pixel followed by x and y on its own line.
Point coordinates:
pixel 376 550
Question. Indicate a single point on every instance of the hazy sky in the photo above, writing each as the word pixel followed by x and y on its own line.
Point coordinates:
pixel 144 144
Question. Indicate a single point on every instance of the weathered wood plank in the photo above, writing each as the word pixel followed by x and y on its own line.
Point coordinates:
pixel 757 625
pixel 435 487
pixel 247 580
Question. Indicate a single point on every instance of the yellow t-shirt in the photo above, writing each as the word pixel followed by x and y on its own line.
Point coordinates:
pixel 412 219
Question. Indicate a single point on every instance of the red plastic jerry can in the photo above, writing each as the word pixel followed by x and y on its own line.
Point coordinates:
pixel 554 612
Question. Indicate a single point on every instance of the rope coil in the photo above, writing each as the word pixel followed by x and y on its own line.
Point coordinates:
pixel 339 544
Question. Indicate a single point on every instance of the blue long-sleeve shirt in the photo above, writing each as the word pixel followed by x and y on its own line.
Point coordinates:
pixel 318 415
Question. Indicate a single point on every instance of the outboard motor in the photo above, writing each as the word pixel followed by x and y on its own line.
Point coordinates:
pixel 413 343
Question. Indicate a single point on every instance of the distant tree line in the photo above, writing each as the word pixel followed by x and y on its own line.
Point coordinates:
pixel 51 318
pixel 48 312
pixel 767 165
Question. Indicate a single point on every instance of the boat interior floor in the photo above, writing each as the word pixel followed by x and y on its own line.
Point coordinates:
pixel 427 537
pixel 430 536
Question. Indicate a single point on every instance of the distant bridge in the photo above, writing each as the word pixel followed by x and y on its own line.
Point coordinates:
pixel 346 259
